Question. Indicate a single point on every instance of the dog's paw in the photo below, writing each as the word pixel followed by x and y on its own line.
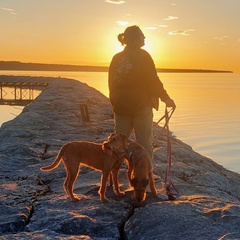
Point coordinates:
pixel 103 200
pixel 171 197
pixel 79 198
pixel 120 194
pixel 75 199
pixel 130 184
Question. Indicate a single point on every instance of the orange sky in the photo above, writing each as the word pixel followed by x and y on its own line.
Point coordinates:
pixel 179 33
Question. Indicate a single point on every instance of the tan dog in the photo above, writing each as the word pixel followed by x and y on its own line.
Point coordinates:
pixel 140 171
pixel 105 157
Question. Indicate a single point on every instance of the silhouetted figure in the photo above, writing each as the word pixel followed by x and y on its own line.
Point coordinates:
pixel 135 88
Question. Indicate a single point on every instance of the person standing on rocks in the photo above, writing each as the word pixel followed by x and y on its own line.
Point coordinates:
pixel 135 88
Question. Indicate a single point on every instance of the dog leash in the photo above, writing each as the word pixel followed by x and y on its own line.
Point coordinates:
pixel 141 154
pixel 171 190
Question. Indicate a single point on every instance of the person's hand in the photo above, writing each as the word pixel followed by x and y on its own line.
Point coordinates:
pixel 170 103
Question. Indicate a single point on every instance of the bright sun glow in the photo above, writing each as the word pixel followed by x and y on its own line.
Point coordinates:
pixel 155 46
pixel 85 32
pixel 148 46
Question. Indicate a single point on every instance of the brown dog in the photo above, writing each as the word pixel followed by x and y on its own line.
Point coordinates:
pixel 105 157
pixel 140 171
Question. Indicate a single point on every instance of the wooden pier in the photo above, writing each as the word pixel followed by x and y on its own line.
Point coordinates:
pixel 21 93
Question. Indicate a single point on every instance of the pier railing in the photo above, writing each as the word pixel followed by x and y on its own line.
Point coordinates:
pixel 19 93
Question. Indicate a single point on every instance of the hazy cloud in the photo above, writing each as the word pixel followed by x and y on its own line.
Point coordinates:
pixel 181 32
pixel 150 28
pixel 122 23
pixel 221 38
pixel 115 1
pixel 163 26
pixel 169 18
pixel 11 11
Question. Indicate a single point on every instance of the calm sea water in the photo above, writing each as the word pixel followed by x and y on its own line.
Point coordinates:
pixel 207 115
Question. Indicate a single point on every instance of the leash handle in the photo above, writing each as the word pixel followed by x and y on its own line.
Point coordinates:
pixel 171 111
pixel 167 116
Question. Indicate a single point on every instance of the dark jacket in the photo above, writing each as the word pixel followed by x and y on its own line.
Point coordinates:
pixel 133 81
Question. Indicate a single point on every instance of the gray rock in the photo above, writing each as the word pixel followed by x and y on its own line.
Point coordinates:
pixel 34 205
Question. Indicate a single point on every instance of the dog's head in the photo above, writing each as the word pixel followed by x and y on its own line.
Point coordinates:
pixel 117 143
pixel 139 186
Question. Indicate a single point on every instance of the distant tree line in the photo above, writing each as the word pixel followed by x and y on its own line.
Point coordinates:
pixel 15 65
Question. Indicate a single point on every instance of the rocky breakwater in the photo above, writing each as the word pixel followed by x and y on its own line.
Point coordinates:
pixel 33 204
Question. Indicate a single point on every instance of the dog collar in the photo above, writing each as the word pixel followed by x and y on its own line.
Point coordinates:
pixel 141 154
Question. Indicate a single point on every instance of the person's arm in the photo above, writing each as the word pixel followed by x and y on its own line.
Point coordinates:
pixel 156 87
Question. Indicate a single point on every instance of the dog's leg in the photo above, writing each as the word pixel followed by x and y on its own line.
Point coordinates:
pixel 72 174
pixel 152 183
pixel 66 183
pixel 130 169
pixel 102 190
pixel 110 179
pixel 115 181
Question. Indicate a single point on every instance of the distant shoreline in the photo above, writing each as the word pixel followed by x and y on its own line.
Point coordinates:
pixel 15 65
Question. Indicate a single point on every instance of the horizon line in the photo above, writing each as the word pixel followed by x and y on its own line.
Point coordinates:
pixel 17 65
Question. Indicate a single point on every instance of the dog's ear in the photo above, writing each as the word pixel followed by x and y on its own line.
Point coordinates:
pixel 134 182
pixel 113 134
pixel 145 182
pixel 106 145
pixel 124 137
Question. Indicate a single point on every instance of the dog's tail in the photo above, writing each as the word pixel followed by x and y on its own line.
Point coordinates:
pixel 56 162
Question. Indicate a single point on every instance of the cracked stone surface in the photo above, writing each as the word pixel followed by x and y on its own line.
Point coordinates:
pixel 34 205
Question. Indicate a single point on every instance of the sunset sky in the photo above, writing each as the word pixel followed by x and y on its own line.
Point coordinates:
pixel 198 34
